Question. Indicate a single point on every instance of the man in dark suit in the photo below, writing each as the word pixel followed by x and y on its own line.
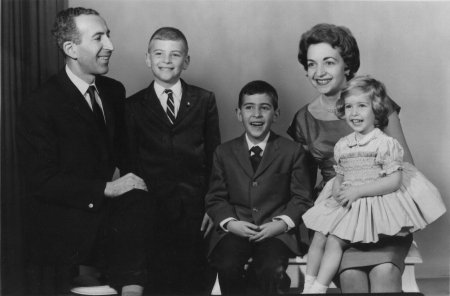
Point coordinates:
pixel 173 130
pixel 259 190
pixel 70 140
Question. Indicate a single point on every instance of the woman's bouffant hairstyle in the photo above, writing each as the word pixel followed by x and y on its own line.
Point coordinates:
pixel 65 29
pixel 338 37
pixel 372 88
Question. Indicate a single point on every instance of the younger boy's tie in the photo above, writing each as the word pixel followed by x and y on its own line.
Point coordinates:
pixel 170 105
pixel 256 157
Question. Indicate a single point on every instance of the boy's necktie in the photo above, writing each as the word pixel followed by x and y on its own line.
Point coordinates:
pixel 256 157
pixel 96 107
pixel 170 106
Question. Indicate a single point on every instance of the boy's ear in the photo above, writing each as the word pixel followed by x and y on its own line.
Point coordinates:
pixel 69 49
pixel 276 114
pixel 187 60
pixel 148 61
pixel 238 114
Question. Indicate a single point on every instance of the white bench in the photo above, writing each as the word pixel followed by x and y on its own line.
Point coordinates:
pixel 297 269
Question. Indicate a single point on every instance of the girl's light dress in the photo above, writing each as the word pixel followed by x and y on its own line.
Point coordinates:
pixel 409 209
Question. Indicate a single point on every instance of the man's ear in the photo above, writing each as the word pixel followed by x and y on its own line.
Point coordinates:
pixel 69 49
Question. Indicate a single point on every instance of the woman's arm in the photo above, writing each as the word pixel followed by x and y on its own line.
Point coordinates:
pixel 388 184
pixel 394 130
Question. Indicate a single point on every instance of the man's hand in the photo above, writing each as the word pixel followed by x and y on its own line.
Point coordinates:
pixel 269 230
pixel 124 184
pixel 348 195
pixel 242 228
pixel 207 225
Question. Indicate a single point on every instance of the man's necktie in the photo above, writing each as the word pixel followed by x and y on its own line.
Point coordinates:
pixel 256 157
pixel 96 107
pixel 170 106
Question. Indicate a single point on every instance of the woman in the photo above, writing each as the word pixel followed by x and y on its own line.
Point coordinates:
pixel 330 55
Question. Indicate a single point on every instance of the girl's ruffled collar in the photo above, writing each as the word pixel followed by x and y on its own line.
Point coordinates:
pixel 352 141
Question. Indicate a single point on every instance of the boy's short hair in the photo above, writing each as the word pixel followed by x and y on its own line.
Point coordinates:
pixel 259 87
pixel 65 29
pixel 169 33
pixel 372 88
pixel 339 38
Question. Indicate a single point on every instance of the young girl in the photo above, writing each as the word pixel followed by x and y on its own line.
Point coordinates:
pixel 373 194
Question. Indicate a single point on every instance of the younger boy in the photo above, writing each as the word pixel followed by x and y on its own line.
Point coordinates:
pixel 173 130
pixel 259 189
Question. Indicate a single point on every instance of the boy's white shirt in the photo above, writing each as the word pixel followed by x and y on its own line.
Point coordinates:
pixel 177 91
pixel 290 224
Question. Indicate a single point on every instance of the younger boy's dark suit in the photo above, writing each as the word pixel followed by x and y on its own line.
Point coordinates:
pixel 175 162
pixel 280 186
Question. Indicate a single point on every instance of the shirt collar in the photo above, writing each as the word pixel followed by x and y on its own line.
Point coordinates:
pixel 261 145
pixel 176 89
pixel 79 83
pixel 352 141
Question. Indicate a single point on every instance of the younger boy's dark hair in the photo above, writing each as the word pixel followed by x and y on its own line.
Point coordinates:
pixel 259 87
pixel 169 33
pixel 372 88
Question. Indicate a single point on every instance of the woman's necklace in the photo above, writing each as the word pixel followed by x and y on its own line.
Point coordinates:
pixel 324 107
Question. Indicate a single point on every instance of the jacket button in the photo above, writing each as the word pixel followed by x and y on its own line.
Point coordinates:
pixel 254 184
pixel 91 206
pixel 255 210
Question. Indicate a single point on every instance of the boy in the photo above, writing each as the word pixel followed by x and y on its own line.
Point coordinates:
pixel 259 190
pixel 173 130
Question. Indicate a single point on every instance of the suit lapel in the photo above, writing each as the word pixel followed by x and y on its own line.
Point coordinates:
pixel 188 100
pixel 152 103
pixel 243 156
pixel 75 99
pixel 269 155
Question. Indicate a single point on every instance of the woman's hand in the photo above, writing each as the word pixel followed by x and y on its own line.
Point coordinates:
pixel 348 195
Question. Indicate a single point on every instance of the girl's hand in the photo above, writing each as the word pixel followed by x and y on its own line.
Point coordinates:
pixel 348 195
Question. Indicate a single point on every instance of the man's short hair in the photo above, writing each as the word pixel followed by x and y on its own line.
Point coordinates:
pixel 65 29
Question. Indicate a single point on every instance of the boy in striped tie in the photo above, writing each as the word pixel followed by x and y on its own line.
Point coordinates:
pixel 173 130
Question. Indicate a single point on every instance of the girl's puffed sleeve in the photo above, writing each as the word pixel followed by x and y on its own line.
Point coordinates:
pixel 337 155
pixel 389 156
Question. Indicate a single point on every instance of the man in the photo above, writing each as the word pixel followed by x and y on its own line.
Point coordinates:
pixel 70 140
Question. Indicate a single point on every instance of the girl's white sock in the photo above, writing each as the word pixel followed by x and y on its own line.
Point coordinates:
pixel 309 281
pixel 318 288
pixel 132 290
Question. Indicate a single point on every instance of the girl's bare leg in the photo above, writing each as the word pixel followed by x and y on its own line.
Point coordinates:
pixel 315 254
pixel 331 260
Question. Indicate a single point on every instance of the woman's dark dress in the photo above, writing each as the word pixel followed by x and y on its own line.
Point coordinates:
pixel 320 137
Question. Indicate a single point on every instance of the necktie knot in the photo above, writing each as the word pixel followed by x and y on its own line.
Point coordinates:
pixel 257 150
pixel 169 92
pixel 255 159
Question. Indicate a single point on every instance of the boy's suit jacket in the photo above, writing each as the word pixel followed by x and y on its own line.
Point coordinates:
pixel 173 159
pixel 66 160
pixel 280 186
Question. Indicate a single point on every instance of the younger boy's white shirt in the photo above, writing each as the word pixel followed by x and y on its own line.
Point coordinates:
pixel 290 224
pixel 177 92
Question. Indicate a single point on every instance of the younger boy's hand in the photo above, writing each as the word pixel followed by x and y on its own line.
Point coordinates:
pixel 242 228
pixel 207 225
pixel 269 230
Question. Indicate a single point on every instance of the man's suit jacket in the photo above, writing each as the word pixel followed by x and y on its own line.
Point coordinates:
pixel 66 159
pixel 173 159
pixel 280 186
